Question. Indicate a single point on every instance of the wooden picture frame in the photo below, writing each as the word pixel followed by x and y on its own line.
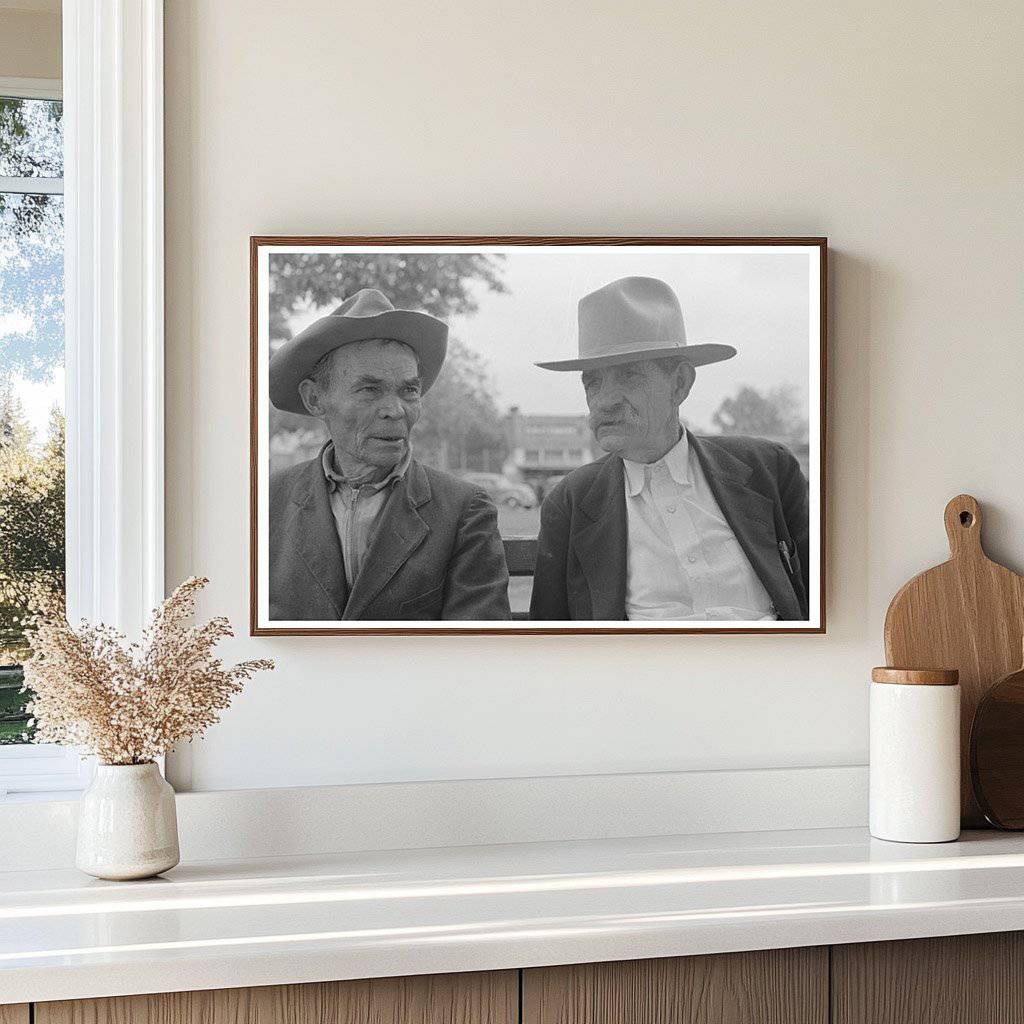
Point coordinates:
pixel 518 551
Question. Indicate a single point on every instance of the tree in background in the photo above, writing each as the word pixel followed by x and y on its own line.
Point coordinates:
pixel 459 417
pixel 775 413
pixel 439 284
pixel 31 242
pixel 31 548
pixel 31 348
pixel 31 522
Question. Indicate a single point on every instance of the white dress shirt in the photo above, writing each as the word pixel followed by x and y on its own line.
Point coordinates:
pixel 683 560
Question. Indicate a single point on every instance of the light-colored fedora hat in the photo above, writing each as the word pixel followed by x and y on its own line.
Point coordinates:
pixel 634 318
pixel 365 314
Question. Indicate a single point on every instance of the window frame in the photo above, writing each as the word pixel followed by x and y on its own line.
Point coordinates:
pixel 31 89
pixel 112 91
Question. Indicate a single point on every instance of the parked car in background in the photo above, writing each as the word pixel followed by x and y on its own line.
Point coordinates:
pixel 504 491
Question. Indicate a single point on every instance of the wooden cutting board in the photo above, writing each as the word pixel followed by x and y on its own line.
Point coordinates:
pixel 967 614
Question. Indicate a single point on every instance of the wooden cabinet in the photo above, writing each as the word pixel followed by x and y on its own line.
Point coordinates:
pixel 963 979
pixel 779 986
pixel 969 979
pixel 491 998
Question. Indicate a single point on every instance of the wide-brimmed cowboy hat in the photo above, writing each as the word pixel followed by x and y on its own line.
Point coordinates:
pixel 365 314
pixel 634 318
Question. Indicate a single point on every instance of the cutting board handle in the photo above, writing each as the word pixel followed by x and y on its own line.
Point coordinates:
pixel 963 527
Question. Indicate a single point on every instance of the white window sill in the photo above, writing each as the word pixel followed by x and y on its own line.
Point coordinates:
pixel 42 771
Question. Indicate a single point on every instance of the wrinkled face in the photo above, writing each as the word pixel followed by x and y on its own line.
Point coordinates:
pixel 634 407
pixel 369 399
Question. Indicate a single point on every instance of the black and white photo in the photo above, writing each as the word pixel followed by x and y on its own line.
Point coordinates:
pixel 537 435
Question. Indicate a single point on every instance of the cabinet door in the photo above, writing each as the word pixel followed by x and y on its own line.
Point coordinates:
pixel 14 1013
pixel 962 979
pixel 779 986
pixel 490 998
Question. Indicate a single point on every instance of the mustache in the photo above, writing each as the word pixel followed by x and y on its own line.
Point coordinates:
pixel 623 414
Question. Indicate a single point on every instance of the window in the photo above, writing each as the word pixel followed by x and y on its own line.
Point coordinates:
pixel 532 455
pixel 32 550
pixel 554 454
pixel 112 167
pixel 31 381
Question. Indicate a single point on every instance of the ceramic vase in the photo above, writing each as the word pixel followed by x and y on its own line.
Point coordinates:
pixel 127 825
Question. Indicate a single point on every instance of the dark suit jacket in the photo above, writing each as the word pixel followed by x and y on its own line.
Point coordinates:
pixel 581 551
pixel 435 553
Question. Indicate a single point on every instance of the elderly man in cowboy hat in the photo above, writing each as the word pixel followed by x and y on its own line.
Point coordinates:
pixel 363 530
pixel 668 525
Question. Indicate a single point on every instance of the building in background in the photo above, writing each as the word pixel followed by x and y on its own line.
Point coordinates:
pixel 542 449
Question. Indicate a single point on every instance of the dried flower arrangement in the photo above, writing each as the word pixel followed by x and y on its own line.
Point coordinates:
pixel 130 703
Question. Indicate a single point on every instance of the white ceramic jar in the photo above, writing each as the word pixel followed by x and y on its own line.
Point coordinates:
pixel 915 755
pixel 127 824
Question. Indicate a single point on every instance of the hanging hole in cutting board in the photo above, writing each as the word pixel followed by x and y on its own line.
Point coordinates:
pixel 966 519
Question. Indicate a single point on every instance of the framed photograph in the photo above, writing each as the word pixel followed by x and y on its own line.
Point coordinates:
pixel 537 435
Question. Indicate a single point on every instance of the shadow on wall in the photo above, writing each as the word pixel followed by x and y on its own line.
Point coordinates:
pixel 854 288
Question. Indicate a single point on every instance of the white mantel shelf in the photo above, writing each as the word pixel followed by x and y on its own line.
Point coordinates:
pixel 271 921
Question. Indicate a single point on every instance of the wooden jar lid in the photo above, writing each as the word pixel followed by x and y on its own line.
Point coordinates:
pixel 916 676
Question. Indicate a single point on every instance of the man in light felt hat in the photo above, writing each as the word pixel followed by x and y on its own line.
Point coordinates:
pixel 363 530
pixel 668 525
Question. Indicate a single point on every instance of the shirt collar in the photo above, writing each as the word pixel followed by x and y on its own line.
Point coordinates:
pixel 336 480
pixel 676 459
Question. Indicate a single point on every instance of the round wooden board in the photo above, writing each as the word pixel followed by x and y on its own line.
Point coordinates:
pixel 997 753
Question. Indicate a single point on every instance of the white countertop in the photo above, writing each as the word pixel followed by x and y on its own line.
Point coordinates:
pixel 272 921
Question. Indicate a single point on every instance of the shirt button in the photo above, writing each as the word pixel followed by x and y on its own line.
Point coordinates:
pixel 691 559
pixel 670 508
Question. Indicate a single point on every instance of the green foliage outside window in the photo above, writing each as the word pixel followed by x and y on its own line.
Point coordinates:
pixel 31 547
pixel 32 551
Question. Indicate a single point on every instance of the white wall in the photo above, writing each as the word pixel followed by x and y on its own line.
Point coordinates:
pixel 895 129
pixel 30 39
